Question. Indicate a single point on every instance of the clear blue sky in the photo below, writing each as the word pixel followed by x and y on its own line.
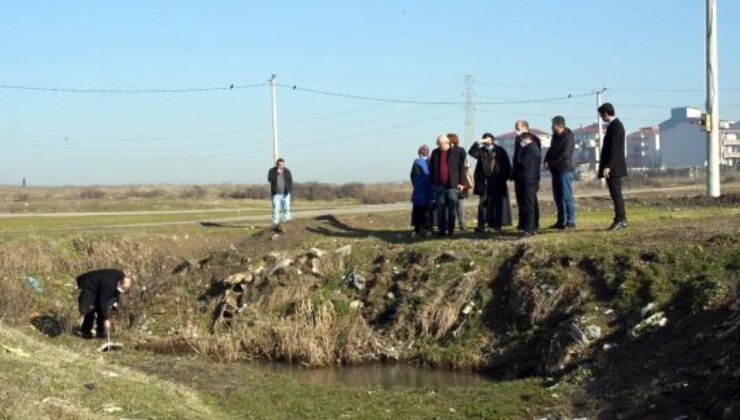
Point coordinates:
pixel 416 49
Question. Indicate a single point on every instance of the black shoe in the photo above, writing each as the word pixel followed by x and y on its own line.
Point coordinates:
pixel 557 226
pixel 480 229
pixel 87 335
pixel 523 235
pixel 618 226
pixel 570 226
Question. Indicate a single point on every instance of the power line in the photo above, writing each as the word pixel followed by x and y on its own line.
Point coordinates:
pixel 129 91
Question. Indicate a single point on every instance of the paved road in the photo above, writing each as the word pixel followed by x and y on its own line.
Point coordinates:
pixel 300 214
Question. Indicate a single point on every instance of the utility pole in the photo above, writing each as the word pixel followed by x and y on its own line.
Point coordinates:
pixel 712 118
pixel 469 112
pixel 275 153
pixel 600 141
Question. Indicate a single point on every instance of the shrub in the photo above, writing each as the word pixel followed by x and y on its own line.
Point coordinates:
pixel 193 192
pixel 92 194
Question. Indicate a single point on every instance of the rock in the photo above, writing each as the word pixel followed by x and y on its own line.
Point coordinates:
pixel 447 257
pixel 396 270
pixel 468 308
pixel 110 409
pixel 607 346
pixel 239 278
pixel 280 266
pixel 356 304
pixel 90 386
pixel 653 322
pixel 316 253
pixel 275 237
pixel 354 280
pixel 647 309
pixel 728 414
pixel 577 335
pixel 608 311
pixel 344 251
pixel 593 332
pixel 183 268
pixel 390 295
pixel 315 266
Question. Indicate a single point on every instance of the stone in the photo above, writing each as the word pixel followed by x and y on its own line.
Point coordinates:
pixel 344 251
pixel 468 308
pixel 90 386
pixel 390 295
pixel 593 332
pixel 651 323
pixel 16 352
pixel 316 253
pixel 280 266
pixel 356 304
pixel 239 278
pixel 315 266
pixel 354 280
pixel 577 335
pixel 110 374
pixel 647 309
pixel 110 409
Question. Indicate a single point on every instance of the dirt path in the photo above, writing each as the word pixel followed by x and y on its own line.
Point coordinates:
pixel 300 214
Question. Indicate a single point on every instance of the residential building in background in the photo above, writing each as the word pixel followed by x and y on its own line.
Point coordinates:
pixel 507 140
pixel 643 149
pixel 683 139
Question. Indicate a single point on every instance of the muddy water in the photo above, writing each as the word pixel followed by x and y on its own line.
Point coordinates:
pixel 209 374
pixel 376 376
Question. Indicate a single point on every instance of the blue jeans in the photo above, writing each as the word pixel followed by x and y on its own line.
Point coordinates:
pixel 446 199
pixel 562 191
pixel 280 202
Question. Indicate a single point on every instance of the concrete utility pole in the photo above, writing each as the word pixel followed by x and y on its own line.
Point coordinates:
pixel 469 112
pixel 600 126
pixel 275 153
pixel 712 120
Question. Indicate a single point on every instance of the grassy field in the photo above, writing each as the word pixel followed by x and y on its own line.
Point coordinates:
pixel 680 253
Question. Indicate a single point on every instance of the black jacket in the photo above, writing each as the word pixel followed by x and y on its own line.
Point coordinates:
pixel 612 151
pixel 501 169
pixel 103 284
pixel 455 167
pixel 517 151
pixel 527 168
pixel 272 177
pixel 559 156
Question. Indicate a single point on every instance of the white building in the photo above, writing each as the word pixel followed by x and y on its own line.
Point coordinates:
pixel 643 148
pixel 507 141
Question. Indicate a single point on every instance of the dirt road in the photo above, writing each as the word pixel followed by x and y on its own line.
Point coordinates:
pixel 300 214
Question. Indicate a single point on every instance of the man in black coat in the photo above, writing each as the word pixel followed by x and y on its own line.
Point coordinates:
pixel 100 291
pixel 447 166
pixel 612 164
pixel 281 186
pixel 492 171
pixel 522 127
pixel 559 160
pixel 526 182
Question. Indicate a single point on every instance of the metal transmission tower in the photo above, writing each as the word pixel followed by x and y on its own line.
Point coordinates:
pixel 712 118
pixel 469 112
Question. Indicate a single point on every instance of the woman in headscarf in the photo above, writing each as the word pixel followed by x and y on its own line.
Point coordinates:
pixel 422 194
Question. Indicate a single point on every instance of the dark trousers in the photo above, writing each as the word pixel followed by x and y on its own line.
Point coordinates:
pixel 446 199
pixel 493 207
pixel 420 218
pixel 93 313
pixel 520 204
pixel 562 191
pixel 526 194
pixel 615 190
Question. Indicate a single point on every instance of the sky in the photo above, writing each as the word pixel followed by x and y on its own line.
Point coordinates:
pixel 648 54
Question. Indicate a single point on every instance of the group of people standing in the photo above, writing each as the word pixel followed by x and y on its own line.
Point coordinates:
pixel 440 179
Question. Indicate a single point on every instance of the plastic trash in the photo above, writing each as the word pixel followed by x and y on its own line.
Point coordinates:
pixel 34 284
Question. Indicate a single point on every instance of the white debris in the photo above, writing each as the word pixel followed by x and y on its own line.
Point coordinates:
pixel 356 304
pixel 593 332
pixel 653 322
pixel 647 309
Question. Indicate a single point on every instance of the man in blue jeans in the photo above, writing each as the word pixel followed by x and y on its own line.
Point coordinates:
pixel 447 167
pixel 281 185
pixel 559 160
